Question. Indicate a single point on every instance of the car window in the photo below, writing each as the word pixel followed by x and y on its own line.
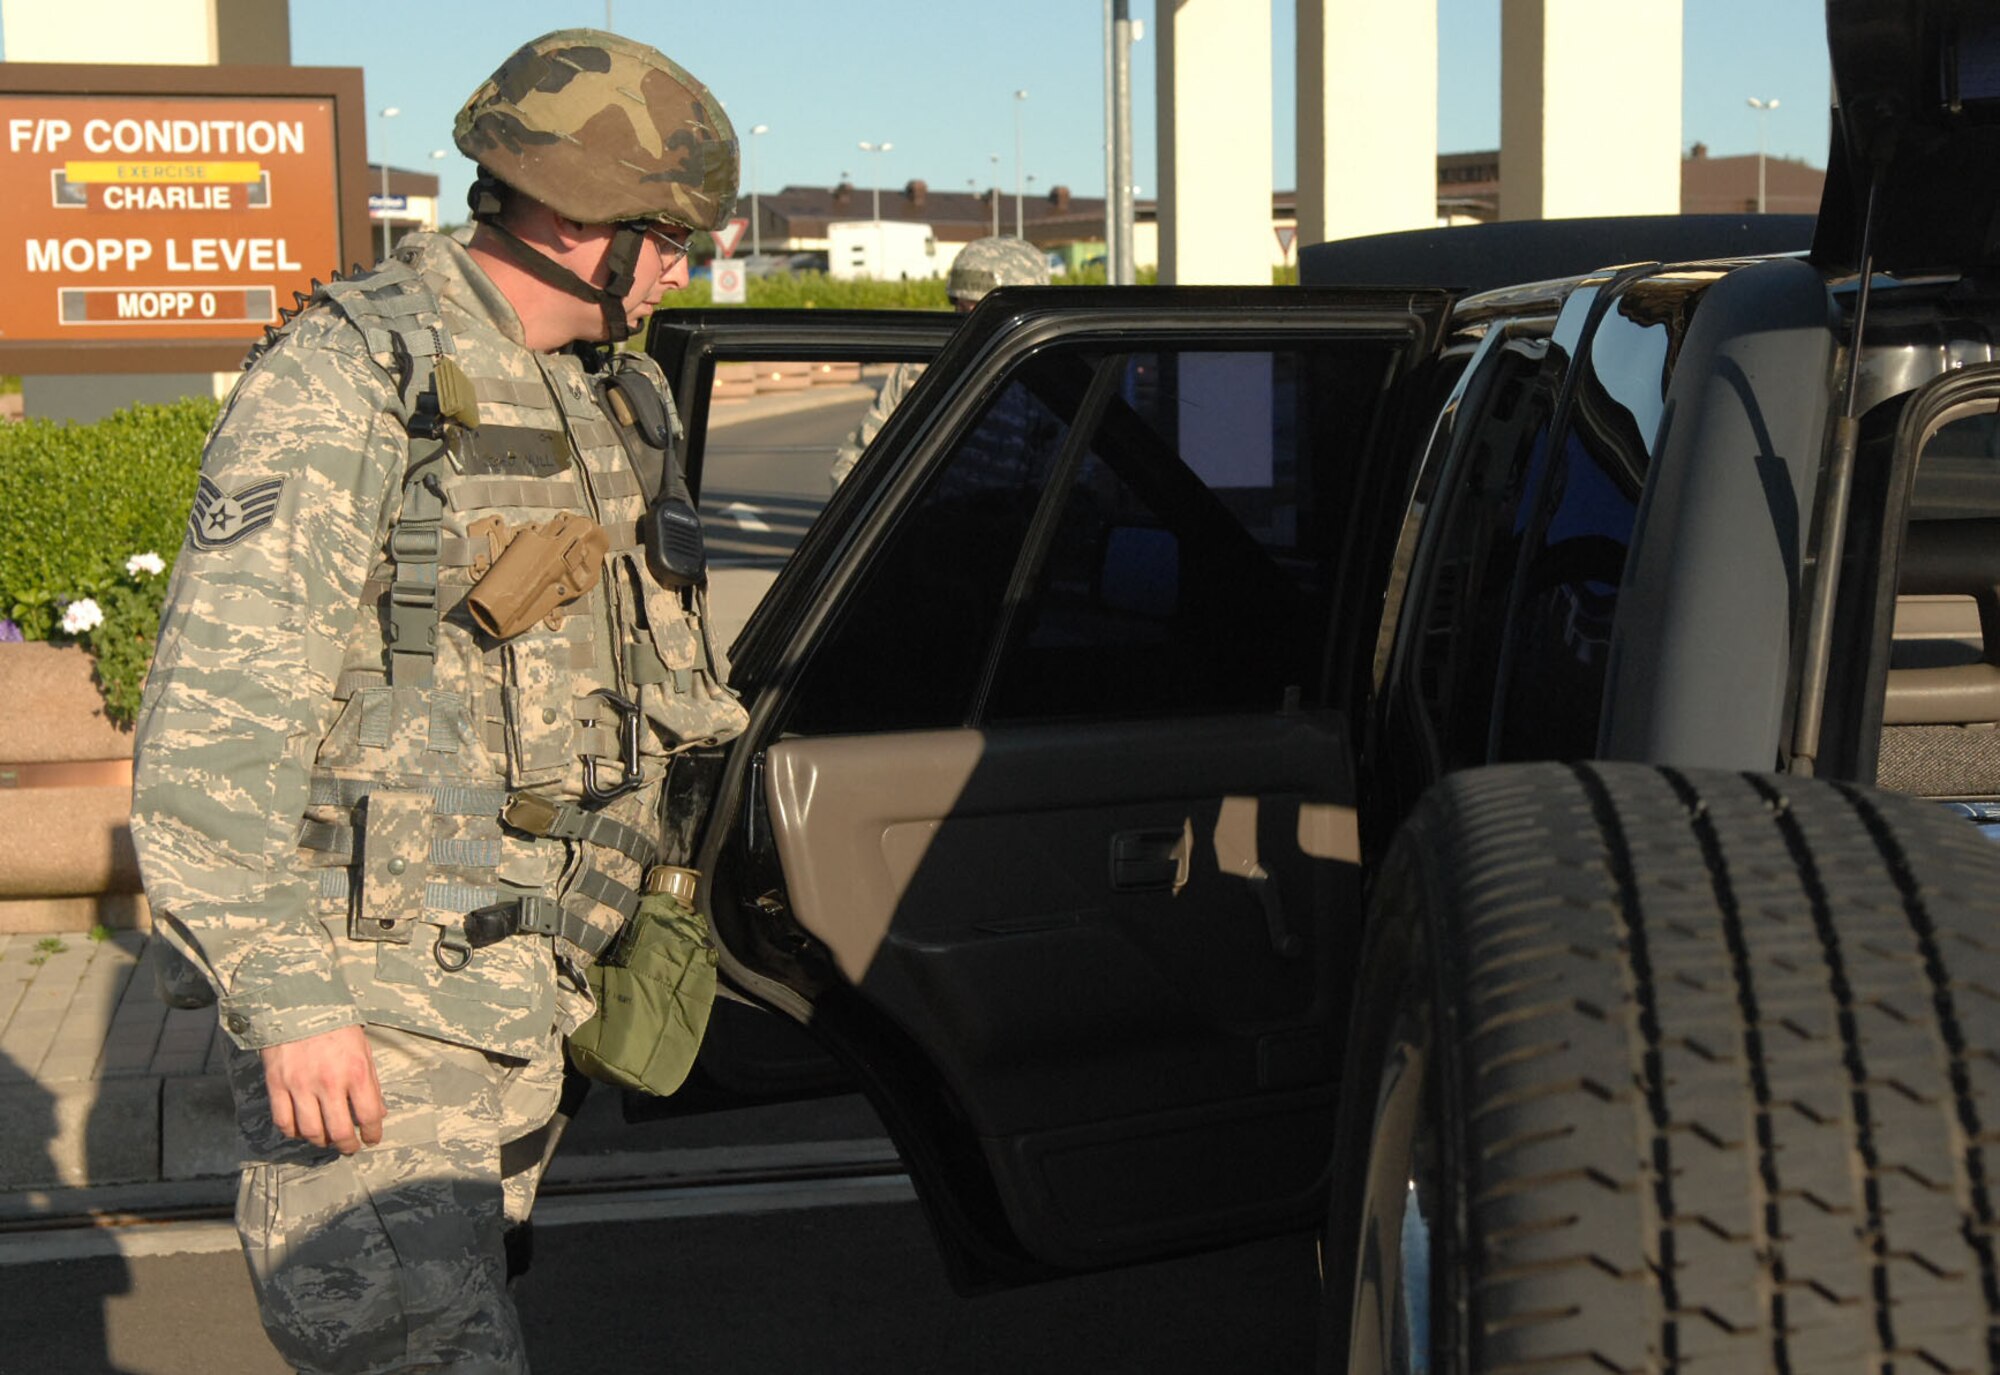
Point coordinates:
pixel 772 433
pixel 912 643
pixel 1941 705
pixel 1455 657
pixel 1191 560
pixel 1559 627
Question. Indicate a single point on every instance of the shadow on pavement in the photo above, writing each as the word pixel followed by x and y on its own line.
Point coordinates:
pixel 72 1334
pixel 861 1290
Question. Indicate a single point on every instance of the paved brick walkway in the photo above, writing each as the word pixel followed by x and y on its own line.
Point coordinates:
pixel 100 1082
pixel 73 1008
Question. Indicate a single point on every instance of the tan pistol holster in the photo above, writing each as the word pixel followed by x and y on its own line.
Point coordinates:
pixel 542 568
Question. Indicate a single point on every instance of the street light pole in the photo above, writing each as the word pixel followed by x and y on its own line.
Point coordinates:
pixel 867 147
pixel 1763 109
pixel 1110 141
pixel 388 112
pixel 437 206
pixel 881 240
pixel 996 193
pixel 1124 32
pixel 756 228
pixel 1019 97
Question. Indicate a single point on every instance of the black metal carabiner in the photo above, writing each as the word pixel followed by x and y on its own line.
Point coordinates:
pixel 629 719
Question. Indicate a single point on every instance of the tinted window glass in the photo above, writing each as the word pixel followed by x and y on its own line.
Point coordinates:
pixel 914 637
pixel 1470 573
pixel 1559 628
pixel 1190 567
pixel 764 469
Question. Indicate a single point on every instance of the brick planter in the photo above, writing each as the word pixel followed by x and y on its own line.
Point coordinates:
pixel 66 859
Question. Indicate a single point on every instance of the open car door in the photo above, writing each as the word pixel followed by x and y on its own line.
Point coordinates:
pixel 757 462
pixel 1045 820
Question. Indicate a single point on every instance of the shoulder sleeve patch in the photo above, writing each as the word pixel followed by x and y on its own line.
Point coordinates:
pixel 222 518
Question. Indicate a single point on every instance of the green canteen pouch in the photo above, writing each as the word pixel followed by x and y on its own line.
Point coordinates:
pixel 654 991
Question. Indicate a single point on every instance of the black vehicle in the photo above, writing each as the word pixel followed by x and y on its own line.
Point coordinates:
pixel 1148 799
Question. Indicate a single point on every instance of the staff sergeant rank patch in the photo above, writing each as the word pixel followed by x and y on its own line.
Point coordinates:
pixel 222 518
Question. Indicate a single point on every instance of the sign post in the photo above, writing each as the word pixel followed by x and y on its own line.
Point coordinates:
pixel 727 237
pixel 158 217
pixel 726 282
pixel 1288 234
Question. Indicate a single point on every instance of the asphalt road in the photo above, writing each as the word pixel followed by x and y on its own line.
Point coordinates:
pixel 812 1289
pixel 763 481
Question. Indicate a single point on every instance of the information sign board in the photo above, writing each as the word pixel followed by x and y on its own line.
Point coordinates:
pixel 158 217
pixel 726 282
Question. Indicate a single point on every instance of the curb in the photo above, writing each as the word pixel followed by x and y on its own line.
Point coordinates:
pixel 153 1144
pixel 581 1172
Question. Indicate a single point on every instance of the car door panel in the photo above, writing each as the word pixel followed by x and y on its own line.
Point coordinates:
pixel 1094 1027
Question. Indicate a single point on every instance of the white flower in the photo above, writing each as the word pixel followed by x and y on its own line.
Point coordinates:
pixel 148 563
pixel 80 616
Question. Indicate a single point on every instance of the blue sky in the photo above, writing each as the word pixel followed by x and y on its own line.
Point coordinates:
pixel 936 78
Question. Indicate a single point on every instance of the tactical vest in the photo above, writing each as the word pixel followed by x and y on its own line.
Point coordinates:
pixel 471 799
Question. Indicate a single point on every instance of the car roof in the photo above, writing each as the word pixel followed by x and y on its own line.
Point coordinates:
pixel 1483 257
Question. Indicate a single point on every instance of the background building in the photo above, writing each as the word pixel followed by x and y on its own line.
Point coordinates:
pixel 1724 186
pixel 1071 228
pixel 413 203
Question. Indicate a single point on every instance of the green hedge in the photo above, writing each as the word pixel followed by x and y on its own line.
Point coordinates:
pixel 77 503
pixel 817 291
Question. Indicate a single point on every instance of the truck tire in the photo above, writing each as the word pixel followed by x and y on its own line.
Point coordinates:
pixel 1655 1070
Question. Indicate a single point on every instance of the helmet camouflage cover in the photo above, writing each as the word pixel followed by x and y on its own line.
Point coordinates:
pixel 602 129
pixel 985 264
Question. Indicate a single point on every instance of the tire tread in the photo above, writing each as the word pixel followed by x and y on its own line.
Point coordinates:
pixel 1729 1071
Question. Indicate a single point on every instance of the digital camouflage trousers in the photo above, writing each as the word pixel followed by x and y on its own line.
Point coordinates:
pixel 393 1259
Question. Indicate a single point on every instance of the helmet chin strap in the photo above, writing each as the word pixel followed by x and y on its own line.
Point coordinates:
pixel 622 260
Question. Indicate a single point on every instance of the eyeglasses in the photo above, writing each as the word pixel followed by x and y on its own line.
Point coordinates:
pixel 670 240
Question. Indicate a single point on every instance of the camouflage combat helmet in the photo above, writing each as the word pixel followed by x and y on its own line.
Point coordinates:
pixel 985 264
pixel 602 129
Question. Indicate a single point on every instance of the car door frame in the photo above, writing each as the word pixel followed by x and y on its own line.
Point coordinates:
pixel 955 1181
pixel 749 1057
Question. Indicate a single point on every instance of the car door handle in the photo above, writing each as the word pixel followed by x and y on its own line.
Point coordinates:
pixel 1151 861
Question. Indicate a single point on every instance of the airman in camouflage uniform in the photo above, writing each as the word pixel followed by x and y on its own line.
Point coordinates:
pixel 979 267
pixel 388 839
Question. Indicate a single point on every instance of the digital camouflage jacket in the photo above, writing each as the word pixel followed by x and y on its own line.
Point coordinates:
pixel 895 387
pixel 315 815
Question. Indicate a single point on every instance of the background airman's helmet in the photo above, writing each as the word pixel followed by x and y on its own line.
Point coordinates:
pixel 987 263
pixel 602 129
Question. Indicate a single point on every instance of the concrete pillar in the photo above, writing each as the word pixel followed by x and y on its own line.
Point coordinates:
pixel 192 33
pixel 1590 108
pixel 1215 141
pixel 1368 92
